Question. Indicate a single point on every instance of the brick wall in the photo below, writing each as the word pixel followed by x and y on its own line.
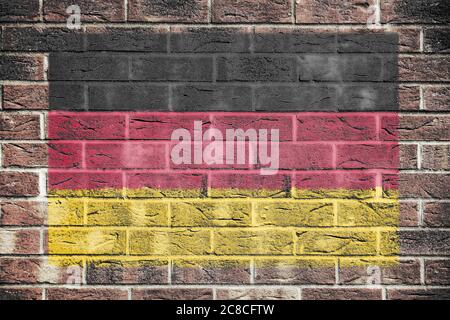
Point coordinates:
pixel 76 182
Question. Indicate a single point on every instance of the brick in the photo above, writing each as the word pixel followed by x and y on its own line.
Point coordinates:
pixel 91 10
pixel 437 40
pixel 370 96
pixel 424 185
pixel 210 214
pixel 335 242
pixel 256 68
pixel 202 97
pixel 269 11
pixel 170 242
pixel 86 241
pixel 436 157
pixel 24 241
pixel 24 155
pixel 88 66
pixel 67 96
pixel 126 213
pixel 254 242
pixel 118 271
pixel 136 39
pixel 408 97
pixel 425 128
pixel 19 184
pixel 22 213
pixel 389 126
pixel 85 126
pixel 86 294
pixel 257 294
pixel 305 156
pixel 126 155
pixel 436 98
pixel 191 11
pixel 409 214
pixel 368 213
pixel 341 294
pixel 418 294
pixel 241 185
pixel 298 214
pixel 256 122
pixel 47 39
pixel 20 293
pixel 436 272
pixel 20 67
pixel 417 242
pixel 19 126
pixel 408 156
pixel 335 127
pixel 121 96
pixel 19 11
pixel 331 11
pixel 403 272
pixel 171 68
pixel 65 212
pixel 64 155
pixel 215 39
pixel 367 156
pixel 25 97
pixel 423 69
pixel 414 11
pixel 83 183
pixel 299 271
pixel 201 271
pixel 437 214
pixel 172 294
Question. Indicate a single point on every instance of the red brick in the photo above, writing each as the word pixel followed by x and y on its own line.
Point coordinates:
pixel 20 293
pixel 86 294
pixel 172 294
pixel 335 180
pixel 424 185
pixel 91 10
pixel 389 128
pixel 437 98
pixel 425 128
pixel 18 184
pixel 408 156
pixel 340 294
pixel 64 155
pixel 269 11
pixel 278 183
pixel 85 126
pixel 25 97
pixel 436 157
pixel 19 11
pixel 83 180
pixel 24 155
pixel 409 216
pixel 305 156
pixel 191 11
pixel 418 294
pixel 336 127
pixel 437 272
pixel 22 213
pixel 24 241
pixel 408 97
pixel 334 11
pixel 126 155
pixel 19 271
pixel 17 67
pixel 257 294
pixel 423 68
pixel 367 156
pixel 19 126
pixel 437 214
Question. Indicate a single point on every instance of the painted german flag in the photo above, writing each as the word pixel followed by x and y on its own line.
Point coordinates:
pixel 224 146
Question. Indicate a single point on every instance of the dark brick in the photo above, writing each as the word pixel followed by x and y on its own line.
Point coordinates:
pixel 340 294
pixel 25 97
pixel 437 98
pixel 121 96
pixel 86 294
pixel 332 11
pixel 19 126
pixel 409 214
pixel 21 67
pixel 172 294
pixel 418 294
pixel 190 11
pixel 20 293
pixel 126 39
pixel 437 40
pixel 257 294
pixel 437 214
pixel 367 97
pixel 91 10
pixel 408 97
pixel 256 68
pixel 424 68
pixel 18 184
pixel 211 98
pixel 424 128
pixel 408 156
pixel 88 66
pixel 270 11
pixel 19 10
pixel 368 42
pixel 67 96
pixel 24 155
pixel 189 39
pixel 436 157
pixel 437 272
pixel 170 68
pixel 43 39
pixel 423 242
pixel 414 185
pixel 415 11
